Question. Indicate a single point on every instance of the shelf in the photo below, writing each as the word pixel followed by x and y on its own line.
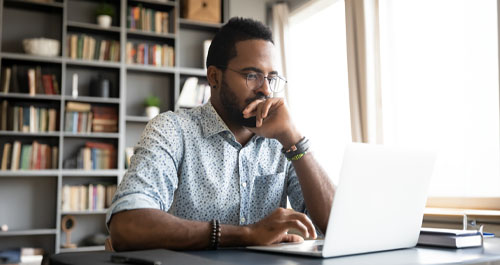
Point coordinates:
pixel 82 249
pixel 28 96
pixel 143 119
pixel 90 173
pixel 34 5
pixel 91 135
pixel 29 57
pixel 30 173
pixel 150 68
pixel 92 27
pixel 93 63
pixel 86 212
pixel 157 3
pixel 29 232
pixel 193 71
pixel 93 99
pixel 192 24
pixel 135 33
pixel 37 134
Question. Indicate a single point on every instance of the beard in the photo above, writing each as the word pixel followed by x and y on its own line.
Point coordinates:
pixel 229 102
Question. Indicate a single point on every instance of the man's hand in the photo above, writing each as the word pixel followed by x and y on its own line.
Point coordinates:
pixel 272 120
pixel 274 228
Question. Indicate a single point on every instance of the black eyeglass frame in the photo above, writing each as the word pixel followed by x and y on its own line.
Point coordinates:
pixel 246 75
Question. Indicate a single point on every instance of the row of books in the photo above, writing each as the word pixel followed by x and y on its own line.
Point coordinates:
pixel 87 197
pixel 27 118
pixel 22 256
pixel 150 54
pixel 26 79
pixel 193 93
pixel 86 118
pixel 17 156
pixel 96 155
pixel 147 19
pixel 81 46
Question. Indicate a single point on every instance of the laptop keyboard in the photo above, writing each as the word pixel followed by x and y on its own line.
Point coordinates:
pixel 309 246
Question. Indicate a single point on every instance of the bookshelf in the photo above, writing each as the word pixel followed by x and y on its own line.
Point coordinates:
pixel 35 197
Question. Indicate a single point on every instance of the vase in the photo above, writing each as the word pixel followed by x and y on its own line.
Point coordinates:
pixel 104 21
pixel 152 112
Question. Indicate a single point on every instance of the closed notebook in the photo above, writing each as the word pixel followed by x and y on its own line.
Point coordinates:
pixel 449 238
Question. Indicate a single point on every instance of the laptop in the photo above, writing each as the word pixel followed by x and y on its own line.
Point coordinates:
pixel 378 205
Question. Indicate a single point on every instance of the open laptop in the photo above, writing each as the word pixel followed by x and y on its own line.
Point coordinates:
pixel 378 204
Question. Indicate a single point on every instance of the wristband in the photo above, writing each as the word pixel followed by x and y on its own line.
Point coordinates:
pixel 298 150
pixel 215 234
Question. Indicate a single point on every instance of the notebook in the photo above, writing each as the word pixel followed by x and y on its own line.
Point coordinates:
pixel 450 238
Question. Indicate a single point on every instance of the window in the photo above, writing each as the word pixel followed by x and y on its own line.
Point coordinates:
pixel 318 84
pixel 440 89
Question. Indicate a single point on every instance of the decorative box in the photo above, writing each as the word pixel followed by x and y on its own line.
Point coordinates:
pixel 202 10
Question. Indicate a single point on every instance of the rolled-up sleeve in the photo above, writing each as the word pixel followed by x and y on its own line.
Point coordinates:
pixel 152 178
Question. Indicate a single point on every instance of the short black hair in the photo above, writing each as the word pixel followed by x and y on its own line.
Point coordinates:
pixel 223 46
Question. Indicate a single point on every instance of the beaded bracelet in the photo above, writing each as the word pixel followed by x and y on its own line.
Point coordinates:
pixel 215 234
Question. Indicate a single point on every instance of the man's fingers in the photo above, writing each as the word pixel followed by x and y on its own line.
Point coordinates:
pixel 292 238
pixel 267 106
pixel 306 222
pixel 259 117
pixel 250 108
pixel 299 226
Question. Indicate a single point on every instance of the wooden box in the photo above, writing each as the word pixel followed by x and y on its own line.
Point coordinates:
pixel 202 10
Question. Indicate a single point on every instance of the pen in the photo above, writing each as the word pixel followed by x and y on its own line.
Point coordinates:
pixel 130 260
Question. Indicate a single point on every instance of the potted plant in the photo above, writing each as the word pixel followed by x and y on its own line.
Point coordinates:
pixel 152 106
pixel 105 13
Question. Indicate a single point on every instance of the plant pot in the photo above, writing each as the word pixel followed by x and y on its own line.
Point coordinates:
pixel 152 112
pixel 104 21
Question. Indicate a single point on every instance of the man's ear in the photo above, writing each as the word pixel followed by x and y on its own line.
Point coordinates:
pixel 214 76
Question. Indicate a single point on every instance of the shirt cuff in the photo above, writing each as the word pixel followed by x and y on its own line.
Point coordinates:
pixel 130 202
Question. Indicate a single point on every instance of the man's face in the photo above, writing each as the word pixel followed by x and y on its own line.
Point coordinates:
pixel 252 56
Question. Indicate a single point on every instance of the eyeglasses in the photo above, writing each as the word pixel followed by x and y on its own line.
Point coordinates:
pixel 255 80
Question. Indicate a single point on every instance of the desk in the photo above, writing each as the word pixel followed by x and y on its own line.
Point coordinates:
pixel 489 254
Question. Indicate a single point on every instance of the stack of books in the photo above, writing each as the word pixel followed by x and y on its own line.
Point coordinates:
pixel 27 118
pixel 87 197
pixel 451 238
pixel 150 54
pixel 147 19
pixel 104 119
pixel 96 155
pixel 193 93
pixel 81 46
pixel 36 156
pixel 31 256
pixel 78 117
pixel 24 79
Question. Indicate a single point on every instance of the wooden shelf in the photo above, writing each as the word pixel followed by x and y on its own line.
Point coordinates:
pixel 30 134
pixel 150 68
pixel 92 27
pixel 29 232
pixel 152 3
pixel 86 212
pixel 193 71
pixel 136 33
pixel 82 249
pixel 93 99
pixel 93 63
pixel 143 119
pixel 91 135
pixel 31 97
pixel 55 6
pixel 31 58
pixel 30 173
pixel 90 173
pixel 192 24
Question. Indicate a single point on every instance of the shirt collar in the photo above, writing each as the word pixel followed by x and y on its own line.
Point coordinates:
pixel 211 122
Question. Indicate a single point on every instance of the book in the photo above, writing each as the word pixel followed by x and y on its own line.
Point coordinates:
pixel 5 106
pixel 449 238
pixel 6 156
pixel 32 81
pixel 6 73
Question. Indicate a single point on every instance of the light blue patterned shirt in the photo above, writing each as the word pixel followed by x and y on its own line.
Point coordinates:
pixel 189 164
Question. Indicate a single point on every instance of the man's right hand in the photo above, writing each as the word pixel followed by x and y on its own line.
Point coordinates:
pixel 273 229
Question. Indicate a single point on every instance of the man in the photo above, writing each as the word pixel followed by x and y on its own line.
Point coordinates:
pixel 215 176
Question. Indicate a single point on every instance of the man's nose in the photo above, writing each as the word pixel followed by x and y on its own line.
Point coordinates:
pixel 265 89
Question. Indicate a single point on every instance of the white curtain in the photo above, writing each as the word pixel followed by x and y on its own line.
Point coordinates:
pixel 280 27
pixel 363 57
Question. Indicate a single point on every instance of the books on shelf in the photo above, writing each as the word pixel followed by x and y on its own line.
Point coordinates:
pixel 140 18
pixel 96 155
pixel 150 54
pixel 193 93
pixel 27 118
pixel 21 256
pixel 81 46
pixel 86 118
pixel 90 197
pixel 449 238
pixel 34 156
pixel 26 79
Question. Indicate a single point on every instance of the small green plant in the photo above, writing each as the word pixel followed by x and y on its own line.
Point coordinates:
pixel 152 101
pixel 105 9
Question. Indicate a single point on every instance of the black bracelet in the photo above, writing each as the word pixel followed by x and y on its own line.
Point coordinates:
pixel 297 150
pixel 215 234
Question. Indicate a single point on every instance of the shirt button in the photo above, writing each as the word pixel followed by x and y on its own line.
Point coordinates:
pixel 244 184
pixel 243 219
